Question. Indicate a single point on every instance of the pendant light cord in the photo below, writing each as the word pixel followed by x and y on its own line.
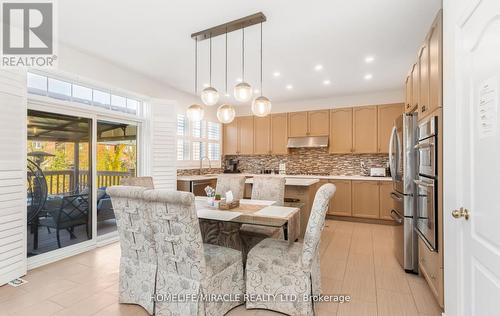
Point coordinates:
pixel 243 55
pixel 226 62
pixel 261 93
pixel 210 56
pixel 196 66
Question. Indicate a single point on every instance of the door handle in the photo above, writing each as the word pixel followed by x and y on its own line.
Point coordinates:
pixel 424 145
pixel 391 160
pixel 462 212
pixel 423 183
pixel 394 196
pixel 396 217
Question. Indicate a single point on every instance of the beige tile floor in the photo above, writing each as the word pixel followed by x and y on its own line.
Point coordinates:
pixel 356 259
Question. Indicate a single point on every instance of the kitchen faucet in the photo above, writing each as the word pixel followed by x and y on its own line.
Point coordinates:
pixel 201 163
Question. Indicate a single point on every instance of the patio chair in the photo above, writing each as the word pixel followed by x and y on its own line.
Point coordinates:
pixel 187 266
pixel 67 213
pixel 138 263
pixel 274 267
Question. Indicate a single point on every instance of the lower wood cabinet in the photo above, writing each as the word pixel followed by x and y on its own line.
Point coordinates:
pixel 386 202
pixel 365 199
pixel 341 201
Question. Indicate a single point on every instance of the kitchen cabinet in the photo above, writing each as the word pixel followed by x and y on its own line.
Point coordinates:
pixel 297 124
pixel 312 123
pixel 340 204
pixel 341 131
pixel 386 202
pixel 318 123
pixel 423 63
pixel 365 129
pixel 365 199
pixel 245 135
pixel 262 135
pixel 386 114
pixel 279 134
pixel 408 94
pixel 435 44
pixel 415 80
pixel 230 138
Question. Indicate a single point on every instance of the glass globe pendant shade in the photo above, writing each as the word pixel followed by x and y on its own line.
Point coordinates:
pixel 210 96
pixel 243 92
pixel 261 106
pixel 226 113
pixel 195 113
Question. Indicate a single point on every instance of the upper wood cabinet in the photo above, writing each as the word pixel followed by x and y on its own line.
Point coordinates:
pixel 245 135
pixel 279 135
pixel 312 123
pixel 386 203
pixel 341 131
pixel 365 199
pixel 435 44
pixel 387 114
pixel 340 204
pixel 415 80
pixel 423 63
pixel 365 129
pixel 297 124
pixel 230 138
pixel 262 135
pixel 408 95
pixel 318 123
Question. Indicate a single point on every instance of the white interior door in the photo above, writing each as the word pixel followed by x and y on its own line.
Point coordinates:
pixel 472 157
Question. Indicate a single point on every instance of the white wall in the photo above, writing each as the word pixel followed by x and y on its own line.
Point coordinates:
pixel 87 66
pixel 384 97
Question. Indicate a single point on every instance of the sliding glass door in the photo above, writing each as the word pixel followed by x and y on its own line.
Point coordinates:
pixel 116 158
pixel 59 181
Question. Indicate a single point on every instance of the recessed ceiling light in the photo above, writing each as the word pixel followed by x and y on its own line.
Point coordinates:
pixel 206 85
pixel 289 87
pixel 368 76
pixel 256 91
pixel 326 82
pixel 239 80
pixel 227 94
pixel 318 67
pixel 369 59
pixel 276 74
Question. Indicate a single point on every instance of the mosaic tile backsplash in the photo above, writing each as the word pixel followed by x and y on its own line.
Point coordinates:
pixel 313 160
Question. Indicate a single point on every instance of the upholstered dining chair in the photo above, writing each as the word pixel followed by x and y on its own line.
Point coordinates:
pixel 187 266
pixel 233 183
pixel 274 267
pixel 270 188
pixel 146 182
pixel 138 261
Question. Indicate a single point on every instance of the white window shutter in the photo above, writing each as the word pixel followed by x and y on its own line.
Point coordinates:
pixel 13 226
pixel 164 144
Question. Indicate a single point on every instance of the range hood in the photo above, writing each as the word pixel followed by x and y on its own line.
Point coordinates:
pixel 307 142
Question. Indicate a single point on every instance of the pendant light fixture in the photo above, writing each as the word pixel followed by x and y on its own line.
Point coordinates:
pixel 209 95
pixel 243 91
pixel 195 112
pixel 226 112
pixel 261 106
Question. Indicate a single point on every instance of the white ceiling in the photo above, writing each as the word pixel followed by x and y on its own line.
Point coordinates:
pixel 153 38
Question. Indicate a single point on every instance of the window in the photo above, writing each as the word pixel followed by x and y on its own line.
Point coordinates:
pixel 196 140
pixel 65 90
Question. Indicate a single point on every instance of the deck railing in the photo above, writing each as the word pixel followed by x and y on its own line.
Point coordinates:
pixel 63 181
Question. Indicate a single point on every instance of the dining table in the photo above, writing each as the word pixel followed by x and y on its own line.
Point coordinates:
pixel 251 212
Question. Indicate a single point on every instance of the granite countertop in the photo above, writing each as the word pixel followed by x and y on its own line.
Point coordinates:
pixel 291 179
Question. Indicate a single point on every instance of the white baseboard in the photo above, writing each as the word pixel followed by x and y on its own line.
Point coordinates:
pixel 59 254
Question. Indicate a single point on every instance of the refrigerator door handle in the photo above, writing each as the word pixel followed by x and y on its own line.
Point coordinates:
pixel 394 196
pixel 396 217
pixel 391 153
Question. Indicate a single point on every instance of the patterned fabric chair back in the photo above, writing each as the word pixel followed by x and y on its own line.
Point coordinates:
pixel 234 183
pixel 136 239
pixel 145 182
pixel 177 234
pixel 269 188
pixel 316 223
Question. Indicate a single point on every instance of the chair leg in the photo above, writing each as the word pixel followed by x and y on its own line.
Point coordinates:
pixel 58 239
pixel 48 230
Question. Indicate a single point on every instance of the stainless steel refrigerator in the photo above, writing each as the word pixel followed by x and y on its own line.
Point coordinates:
pixel 403 166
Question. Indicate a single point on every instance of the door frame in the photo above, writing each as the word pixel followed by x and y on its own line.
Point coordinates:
pixel 47 104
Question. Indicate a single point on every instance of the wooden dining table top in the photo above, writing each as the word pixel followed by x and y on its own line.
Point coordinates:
pixel 255 212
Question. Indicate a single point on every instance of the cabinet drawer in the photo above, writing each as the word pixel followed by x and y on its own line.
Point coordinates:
pixel 428 262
